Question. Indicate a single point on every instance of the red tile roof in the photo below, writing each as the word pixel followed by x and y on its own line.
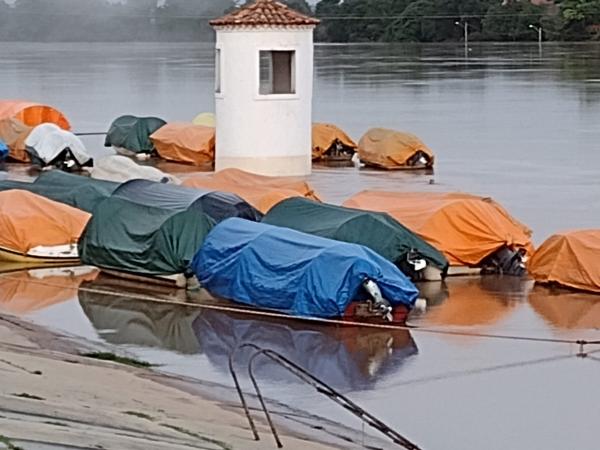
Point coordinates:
pixel 265 12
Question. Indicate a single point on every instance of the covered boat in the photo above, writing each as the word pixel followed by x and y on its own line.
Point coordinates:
pixel 260 191
pixel 205 119
pixel 569 259
pixel 185 143
pixel 299 274
pixel 217 205
pixel 73 190
pixel 471 231
pixel 346 358
pixel 126 235
pixel 331 143
pixel 131 135
pixel 118 168
pixel 377 231
pixel 36 229
pixel 390 149
pixel 49 145
pixel 32 114
pixel 14 132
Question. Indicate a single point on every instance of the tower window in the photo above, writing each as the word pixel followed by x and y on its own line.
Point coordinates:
pixel 277 72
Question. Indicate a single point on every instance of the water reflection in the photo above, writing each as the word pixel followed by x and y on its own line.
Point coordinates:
pixel 566 309
pixel 347 357
pixel 26 291
pixel 473 301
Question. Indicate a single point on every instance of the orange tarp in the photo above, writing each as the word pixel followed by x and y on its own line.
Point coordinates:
pixel 470 302
pixel 566 309
pixel 390 149
pixel 26 291
pixel 32 114
pixel 324 135
pixel 464 227
pixel 185 143
pixel 28 220
pixel 571 259
pixel 14 132
pixel 260 191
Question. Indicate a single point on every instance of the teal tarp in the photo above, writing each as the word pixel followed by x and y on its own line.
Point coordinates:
pixel 133 133
pixel 127 236
pixel 378 231
pixel 74 190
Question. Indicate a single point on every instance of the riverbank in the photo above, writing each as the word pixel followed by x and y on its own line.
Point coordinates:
pixel 53 397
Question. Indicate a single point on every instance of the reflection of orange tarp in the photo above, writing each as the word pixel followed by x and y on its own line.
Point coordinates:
pixel 28 220
pixel 185 143
pixel 13 133
pixel 390 149
pixel 564 309
pixel 470 302
pixel 466 228
pixel 21 292
pixel 571 259
pixel 324 135
pixel 32 114
pixel 260 191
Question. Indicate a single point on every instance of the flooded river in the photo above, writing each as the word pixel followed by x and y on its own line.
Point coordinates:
pixel 508 121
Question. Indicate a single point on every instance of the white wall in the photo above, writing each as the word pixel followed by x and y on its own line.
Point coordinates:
pixel 269 135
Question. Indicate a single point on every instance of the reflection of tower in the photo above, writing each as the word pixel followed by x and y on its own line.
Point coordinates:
pixel 264 77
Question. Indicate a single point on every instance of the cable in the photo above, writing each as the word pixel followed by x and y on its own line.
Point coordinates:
pixel 267 313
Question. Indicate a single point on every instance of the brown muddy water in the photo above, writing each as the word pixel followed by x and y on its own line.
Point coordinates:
pixel 506 122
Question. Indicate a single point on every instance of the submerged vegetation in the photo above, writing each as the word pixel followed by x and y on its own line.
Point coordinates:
pixel 107 356
pixel 341 20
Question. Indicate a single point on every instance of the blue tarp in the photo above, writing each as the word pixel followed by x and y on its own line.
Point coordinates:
pixel 292 272
pixel 3 151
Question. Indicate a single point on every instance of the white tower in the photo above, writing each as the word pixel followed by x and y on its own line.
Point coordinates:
pixel 264 81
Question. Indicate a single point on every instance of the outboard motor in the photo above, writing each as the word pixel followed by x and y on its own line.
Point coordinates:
pixel 380 305
pixel 413 266
pixel 505 261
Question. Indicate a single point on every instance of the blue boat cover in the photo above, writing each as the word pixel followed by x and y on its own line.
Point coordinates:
pixel 3 151
pixel 292 272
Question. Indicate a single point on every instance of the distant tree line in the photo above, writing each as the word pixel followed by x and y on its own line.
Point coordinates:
pixel 435 20
pixel 341 20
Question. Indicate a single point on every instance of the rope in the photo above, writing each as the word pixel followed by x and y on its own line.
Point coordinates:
pixel 271 314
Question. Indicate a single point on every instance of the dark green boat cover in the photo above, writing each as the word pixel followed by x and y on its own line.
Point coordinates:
pixel 133 133
pixel 378 231
pixel 131 237
pixel 74 190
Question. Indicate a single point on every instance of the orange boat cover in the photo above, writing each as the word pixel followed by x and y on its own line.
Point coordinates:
pixel 14 132
pixel 464 227
pixel 185 143
pixel 571 259
pixel 260 191
pixel 390 149
pixel 324 135
pixel 566 309
pixel 32 114
pixel 28 220
pixel 23 292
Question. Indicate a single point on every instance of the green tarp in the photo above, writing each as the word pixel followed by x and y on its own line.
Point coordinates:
pixel 131 237
pixel 133 133
pixel 74 190
pixel 378 231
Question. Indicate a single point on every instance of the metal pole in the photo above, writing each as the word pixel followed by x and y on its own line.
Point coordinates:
pixel 466 25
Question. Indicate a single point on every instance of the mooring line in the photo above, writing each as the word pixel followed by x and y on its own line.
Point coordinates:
pixel 278 315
